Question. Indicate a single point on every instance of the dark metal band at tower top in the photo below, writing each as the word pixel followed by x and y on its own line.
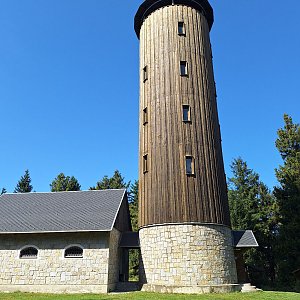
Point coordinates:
pixel 149 6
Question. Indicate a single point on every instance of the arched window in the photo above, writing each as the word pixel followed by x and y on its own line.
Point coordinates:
pixel 74 251
pixel 29 252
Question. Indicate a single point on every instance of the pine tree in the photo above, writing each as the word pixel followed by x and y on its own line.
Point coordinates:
pixel 133 205
pixel 243 188
pixel 288 197
pixel 24 184
pixel 114 182
pixel 133 208
pixel 253 207
pixel 64 183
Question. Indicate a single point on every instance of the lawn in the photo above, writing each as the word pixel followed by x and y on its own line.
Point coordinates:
pixel 145 296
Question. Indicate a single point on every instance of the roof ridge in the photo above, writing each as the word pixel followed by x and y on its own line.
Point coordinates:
pixel 61 192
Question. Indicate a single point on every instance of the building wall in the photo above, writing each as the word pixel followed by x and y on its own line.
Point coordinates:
pixel 114 259
pixel 189 257
pixel 51 272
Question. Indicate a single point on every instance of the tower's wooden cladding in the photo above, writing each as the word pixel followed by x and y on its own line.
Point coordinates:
pixel 167 194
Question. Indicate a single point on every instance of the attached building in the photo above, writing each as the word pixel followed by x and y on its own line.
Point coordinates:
pixel 62 242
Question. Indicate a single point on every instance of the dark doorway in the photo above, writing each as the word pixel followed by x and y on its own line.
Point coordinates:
pixel 130 257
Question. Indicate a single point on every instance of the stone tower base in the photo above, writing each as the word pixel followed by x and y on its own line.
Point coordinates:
pixel 187 258
pixel 228 288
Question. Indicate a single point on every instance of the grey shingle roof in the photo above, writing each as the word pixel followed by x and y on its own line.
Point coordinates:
pixel 60 212
pixel 244 239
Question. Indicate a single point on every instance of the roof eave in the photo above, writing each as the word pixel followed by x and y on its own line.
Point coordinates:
pixel 116 215
pixel 246 246
pixel 54 231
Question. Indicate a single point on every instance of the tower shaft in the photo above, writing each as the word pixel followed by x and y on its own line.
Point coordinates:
pixel 179 122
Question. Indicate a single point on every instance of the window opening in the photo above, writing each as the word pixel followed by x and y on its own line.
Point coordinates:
pixel 145 115
pixel 74 251
pixel 189 165
pixel 186 109
pixel 183 68
pixel 145 73
pixel 145 163
pixel 29 252
pixel 181 28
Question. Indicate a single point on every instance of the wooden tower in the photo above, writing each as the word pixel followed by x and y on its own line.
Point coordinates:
pixel 184 219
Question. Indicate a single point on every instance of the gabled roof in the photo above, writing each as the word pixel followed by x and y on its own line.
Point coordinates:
pixel 244 239
pixel 60 212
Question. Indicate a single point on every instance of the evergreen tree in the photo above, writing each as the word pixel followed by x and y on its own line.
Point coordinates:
pixel 243 188
pixel 133 208
pixel 253 207
pixel 114 182
pixel 288 197
pixel 133 205
pixel 24 184
pixel 65 183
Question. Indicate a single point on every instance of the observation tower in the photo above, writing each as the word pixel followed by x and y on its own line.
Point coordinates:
pixel 184 220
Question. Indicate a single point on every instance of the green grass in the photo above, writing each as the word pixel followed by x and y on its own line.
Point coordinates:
pixel 146 296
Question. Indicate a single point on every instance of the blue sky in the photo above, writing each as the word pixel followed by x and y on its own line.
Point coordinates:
pixel 69 86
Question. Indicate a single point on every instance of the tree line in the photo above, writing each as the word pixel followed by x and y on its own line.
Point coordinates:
pixel 63 183
pixel 273 215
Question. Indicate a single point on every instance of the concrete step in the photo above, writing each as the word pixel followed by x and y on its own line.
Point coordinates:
pixel 248 288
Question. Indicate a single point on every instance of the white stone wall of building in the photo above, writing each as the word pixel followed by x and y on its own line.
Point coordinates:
pixel 50 271
pixel 187 256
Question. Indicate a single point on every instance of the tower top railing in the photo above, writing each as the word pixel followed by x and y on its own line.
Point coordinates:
pixel 149 6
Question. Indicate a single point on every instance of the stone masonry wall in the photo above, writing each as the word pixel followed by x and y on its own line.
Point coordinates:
pixel 187 255
pixel 51 272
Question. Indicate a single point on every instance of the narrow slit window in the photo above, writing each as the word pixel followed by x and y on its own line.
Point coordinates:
pixel 181 28
pixel 145 115
pixel 183 68
pixel 29 253
pixel 145 163
pixel 186 113
pixel 189 165
pixel 145 73
pixel 74 252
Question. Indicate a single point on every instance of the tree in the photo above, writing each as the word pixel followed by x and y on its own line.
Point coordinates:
pixel 288 197
pixel 3 191
pixel 133 205
pixel 243 188
pixel 114 182
pixel 65 183
pixel 253 207
pixel 24 184
pixel 133 208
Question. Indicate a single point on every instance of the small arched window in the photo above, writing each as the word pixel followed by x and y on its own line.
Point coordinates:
pixel 29 253
pixel 74 252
